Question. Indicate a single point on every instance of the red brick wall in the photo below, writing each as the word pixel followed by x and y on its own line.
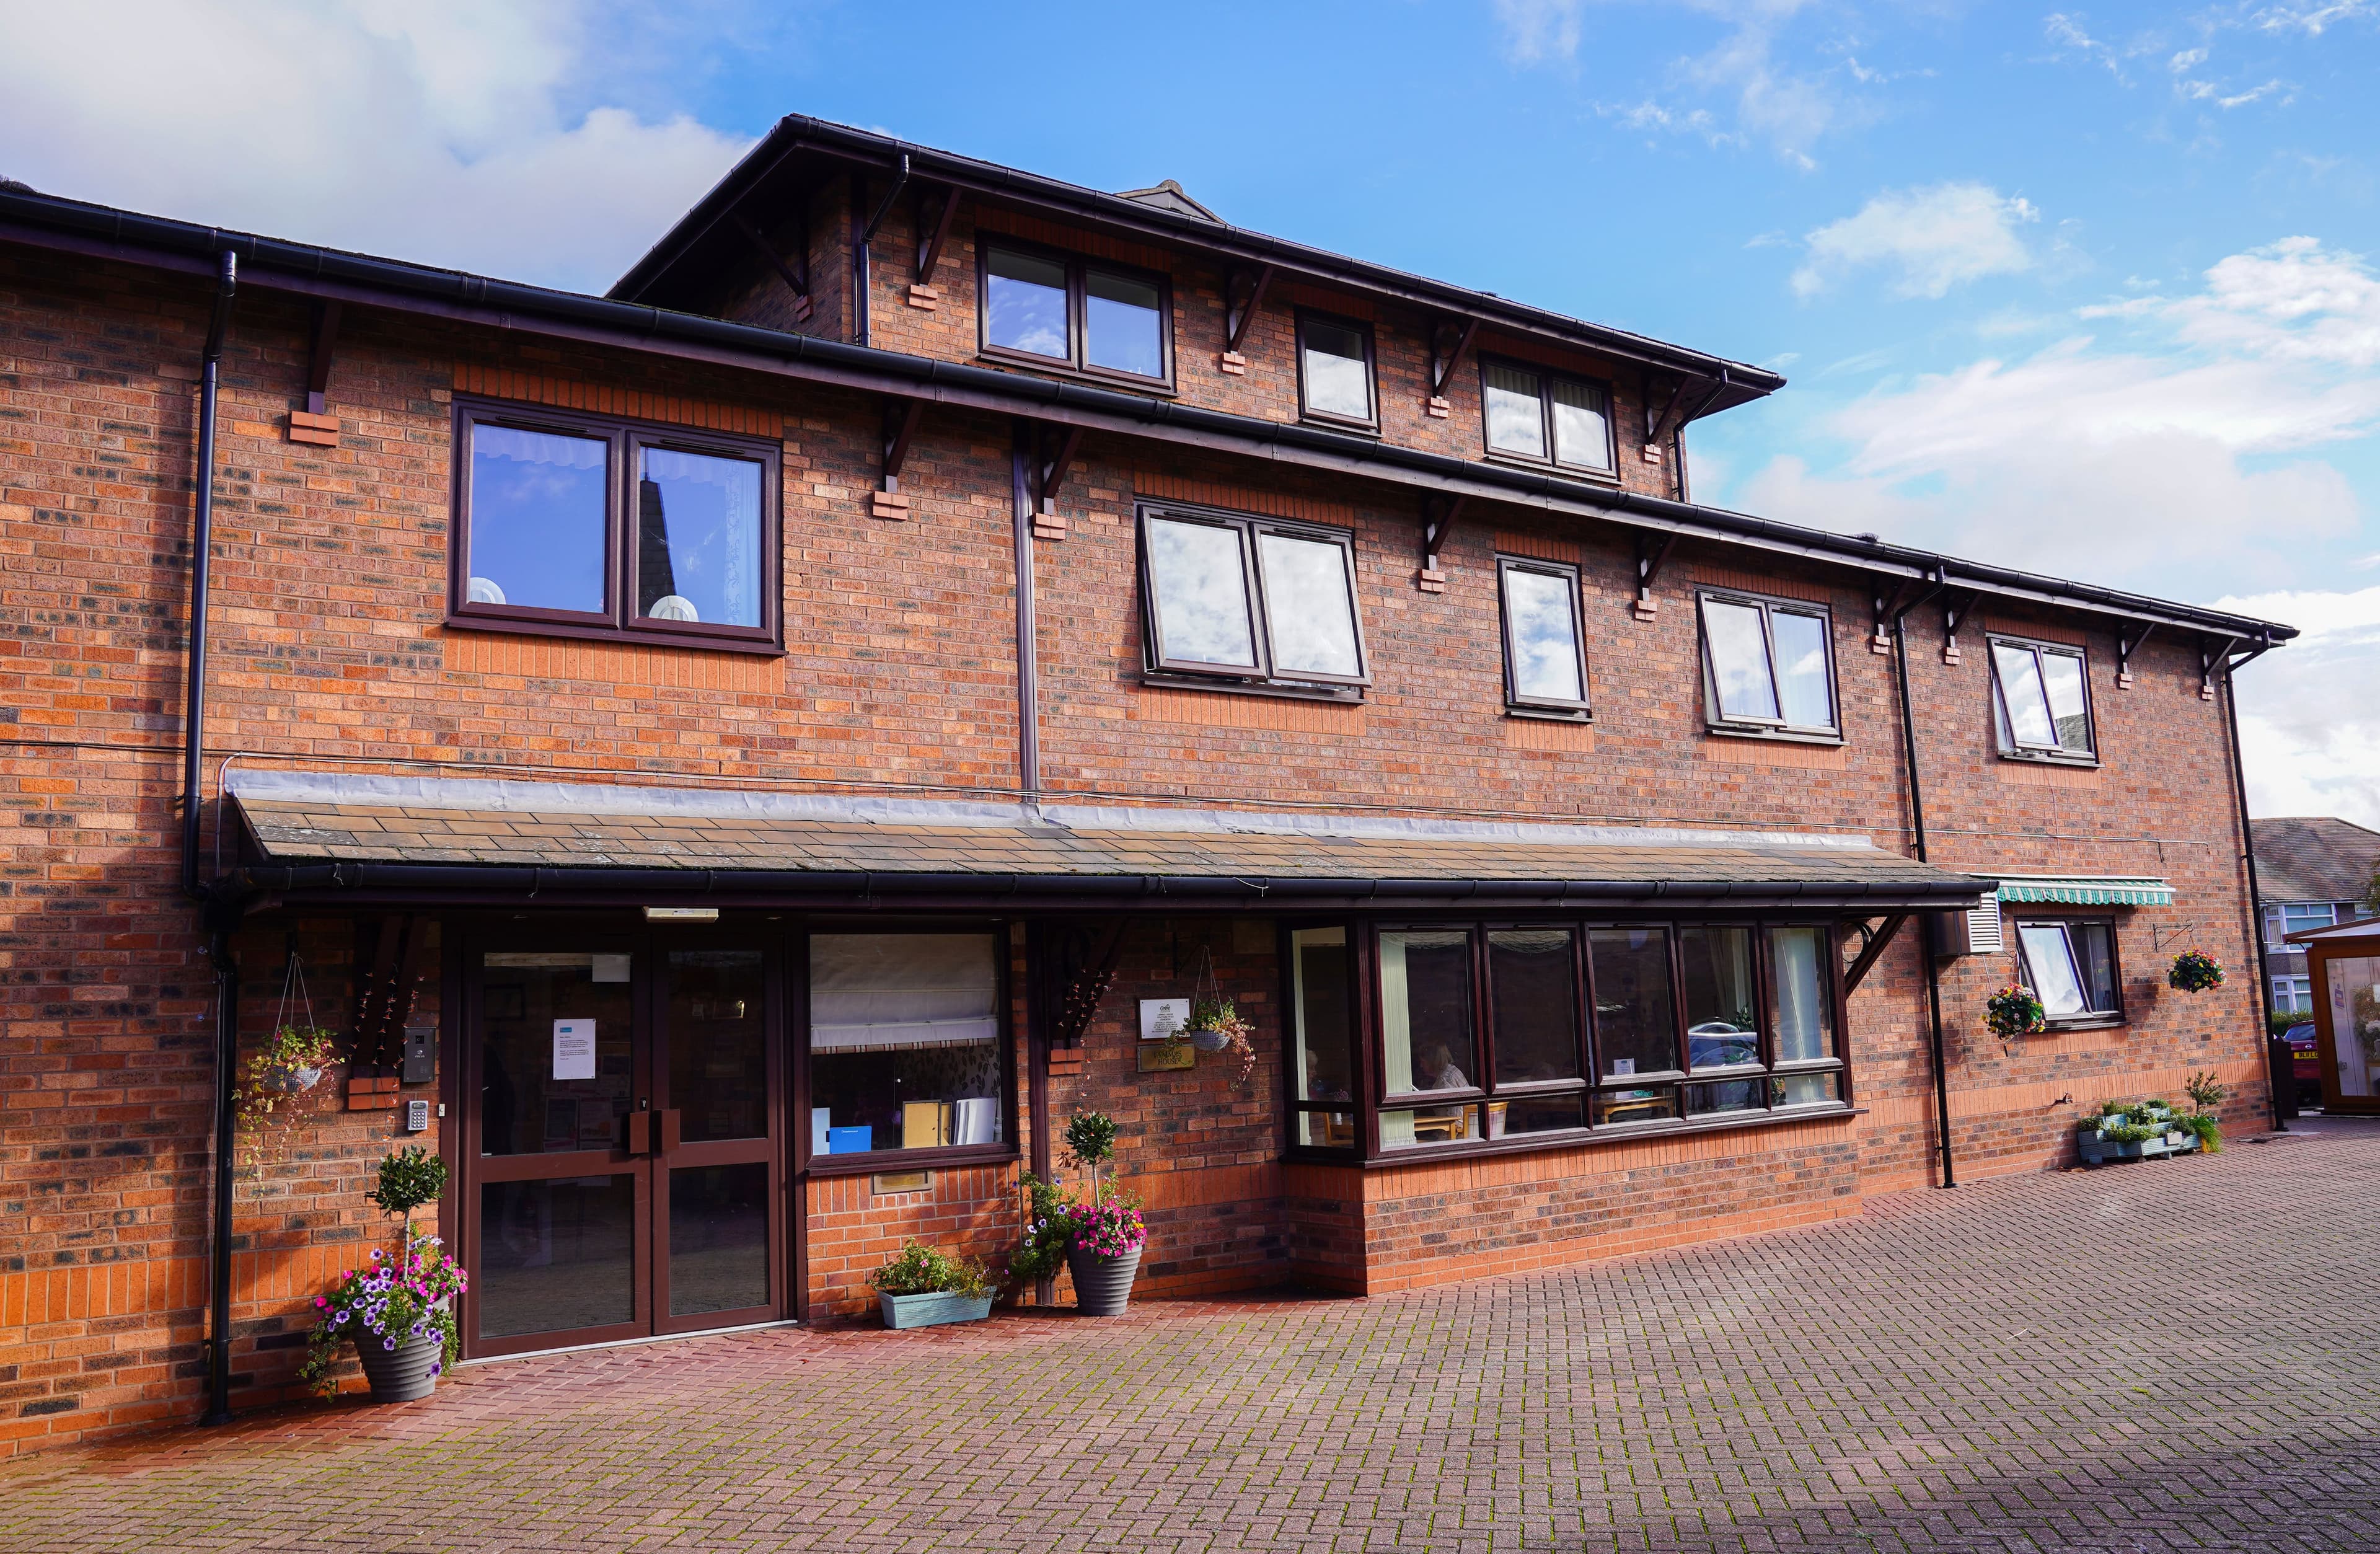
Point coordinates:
pixel 330 567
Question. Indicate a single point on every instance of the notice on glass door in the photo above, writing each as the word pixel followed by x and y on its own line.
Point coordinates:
pixel 573 1049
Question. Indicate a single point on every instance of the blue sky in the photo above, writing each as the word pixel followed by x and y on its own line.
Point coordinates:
pixel 2089 291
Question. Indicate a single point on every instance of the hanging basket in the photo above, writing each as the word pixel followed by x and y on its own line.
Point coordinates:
pixel 2013 1011
pixel 2195 971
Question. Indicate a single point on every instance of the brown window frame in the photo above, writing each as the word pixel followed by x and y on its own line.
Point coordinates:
pixel 1371 371
pixel 1716 720
pixel 1515 700
pixel 1252 527
pixel 1547 377
pixel 1077 267
pixel 2089 1019
pixel 887 1161
pixel 1594 1086
pixel 1353 1105
pixel 617 622
pixel 2004 727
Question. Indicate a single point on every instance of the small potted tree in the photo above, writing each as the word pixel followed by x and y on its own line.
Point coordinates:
pixel 398 1310
pixel 923 1288
pixel 1108 1235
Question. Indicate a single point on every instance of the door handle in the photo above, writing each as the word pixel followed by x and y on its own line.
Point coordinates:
pixel 669 1130
pixel 640 1132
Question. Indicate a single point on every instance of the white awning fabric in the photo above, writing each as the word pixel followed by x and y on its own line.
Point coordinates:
pixel 889 992
pixel 2086 889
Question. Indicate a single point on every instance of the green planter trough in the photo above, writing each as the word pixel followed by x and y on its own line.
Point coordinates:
pixel 934 1310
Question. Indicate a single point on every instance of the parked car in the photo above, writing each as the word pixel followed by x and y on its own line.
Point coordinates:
pixel 2305 1063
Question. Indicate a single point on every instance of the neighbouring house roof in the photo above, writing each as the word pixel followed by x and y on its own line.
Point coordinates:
pixel 2313 858
pixel 330 832
pixel 519 310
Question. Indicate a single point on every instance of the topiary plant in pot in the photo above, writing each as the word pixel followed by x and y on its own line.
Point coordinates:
pixel 398 1310
pixel 1107 1235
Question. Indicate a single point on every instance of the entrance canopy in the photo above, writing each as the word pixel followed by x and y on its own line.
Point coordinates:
pixel 320 836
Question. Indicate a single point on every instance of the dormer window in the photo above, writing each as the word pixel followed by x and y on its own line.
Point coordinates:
pixel 1334 371
pixel 1062 312
pixel 1545 417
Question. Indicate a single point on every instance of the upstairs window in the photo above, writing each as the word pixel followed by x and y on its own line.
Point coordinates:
pixel 2071 966
pixel 1052 310
pixel 1768 666
pixel 2041 701
pixel 1254 600
pixel 583 526
pixel 1334 370
pixel 1545 661
pixel 1541 416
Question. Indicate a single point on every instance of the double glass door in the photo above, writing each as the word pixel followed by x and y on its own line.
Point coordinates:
pixel 624 1173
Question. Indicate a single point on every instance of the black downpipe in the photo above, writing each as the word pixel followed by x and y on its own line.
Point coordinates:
pixel 219 913
pixel 2255 895
pixel 1917 829
pixel 1028 693
pixel 203 530
pixel 227 971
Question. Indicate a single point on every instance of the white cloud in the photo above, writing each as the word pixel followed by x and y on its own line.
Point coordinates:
pixel 476 135
pixel 1536 30
pixel 2307 748
pixel 1935 238
pixel 2312 20
pixel 2292 300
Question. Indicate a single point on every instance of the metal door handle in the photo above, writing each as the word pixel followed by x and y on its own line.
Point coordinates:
pixel 669 1130
pixel 640 1132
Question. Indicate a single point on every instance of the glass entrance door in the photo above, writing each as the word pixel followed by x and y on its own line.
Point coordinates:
pixel 624 1173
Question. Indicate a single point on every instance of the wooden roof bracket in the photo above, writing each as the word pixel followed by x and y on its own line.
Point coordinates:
pixel 1438 515
pixel 1652 555
pixel 923 294
pixel 2126 646
pixel 1888 610
pixel 1239 312
pixel 900 427
pixel 1956 613
pixel 797 279
pixel 1873 949
pixel 1444 359
pixel 1053 455
pixel 2209 655
pixel 315 425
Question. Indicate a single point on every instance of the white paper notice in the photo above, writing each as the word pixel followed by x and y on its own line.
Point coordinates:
pixel 573 1049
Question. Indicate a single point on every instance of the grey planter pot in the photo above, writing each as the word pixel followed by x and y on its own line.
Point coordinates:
pixel 402 1374
pixel 1102 1285
pixel 1208 1040
pixel 902 1312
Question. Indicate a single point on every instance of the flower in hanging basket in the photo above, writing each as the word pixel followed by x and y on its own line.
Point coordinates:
pixel 2013 1011
pixel 2195 971
pixel 288 1064
pixel 1215 1025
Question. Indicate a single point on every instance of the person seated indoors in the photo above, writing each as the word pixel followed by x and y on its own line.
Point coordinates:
pixel 1437 1071
pixel 1322 1087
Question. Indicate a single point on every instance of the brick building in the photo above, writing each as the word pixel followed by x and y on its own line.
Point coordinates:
pixel 747 752
pixel 2313 871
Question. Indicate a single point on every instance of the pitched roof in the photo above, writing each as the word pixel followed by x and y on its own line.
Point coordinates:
pixel 2316 858
pixel 1167 195
pixel 548 835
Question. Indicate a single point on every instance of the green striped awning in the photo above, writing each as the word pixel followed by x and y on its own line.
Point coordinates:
pixel 2086 889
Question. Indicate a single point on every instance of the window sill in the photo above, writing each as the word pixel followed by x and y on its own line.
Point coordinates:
pixel 614 634
pixel 1165 680
pixel 991 355
pixel 1778 735
pixel 1575 1138
pixel 1549 714
pixel 1339 423
pixel 1586 472
pixel 882 1161
pixel 2035 757
pixel 2094 1022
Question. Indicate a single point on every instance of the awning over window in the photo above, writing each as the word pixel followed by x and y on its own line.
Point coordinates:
pixel 2086 889
pixel 312 836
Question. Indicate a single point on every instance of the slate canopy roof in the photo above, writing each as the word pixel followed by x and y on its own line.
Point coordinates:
pixel 308 834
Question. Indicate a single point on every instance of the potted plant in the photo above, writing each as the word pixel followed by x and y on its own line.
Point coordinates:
pixel 2195 971
pixel 1107 1235
pixel 923 1288
pixel 2207 1093
pixel 2013 1011
pixel 398 1310
pixel 1215 1025
pixel 1049 1233
pixel 272 1082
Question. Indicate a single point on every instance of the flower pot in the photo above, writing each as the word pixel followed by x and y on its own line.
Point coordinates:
pixel 404 1373
pixel 291 1081
pixel 1102 1284
pixel 903 1312
pixel 1208 1040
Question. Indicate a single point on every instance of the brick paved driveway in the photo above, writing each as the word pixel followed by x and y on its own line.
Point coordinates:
pixel 2155 1356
